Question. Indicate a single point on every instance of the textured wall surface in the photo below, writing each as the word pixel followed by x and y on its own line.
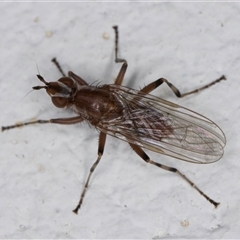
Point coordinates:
pixel 43 168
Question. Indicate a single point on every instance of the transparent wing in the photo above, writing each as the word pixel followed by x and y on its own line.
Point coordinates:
pixel 164 127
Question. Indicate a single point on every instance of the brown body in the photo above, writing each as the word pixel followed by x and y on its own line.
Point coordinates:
pixel 97 103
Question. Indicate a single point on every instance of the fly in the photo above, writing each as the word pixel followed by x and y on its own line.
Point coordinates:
pixel 142 120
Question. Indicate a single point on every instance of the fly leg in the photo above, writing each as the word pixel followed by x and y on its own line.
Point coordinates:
pixel 123 69
pixel 101 144
pixel 117 60
pixel 204 87
pixel 64 121
pixel 150 87
pixel 70 74
pixel 54 60
pixel 146 158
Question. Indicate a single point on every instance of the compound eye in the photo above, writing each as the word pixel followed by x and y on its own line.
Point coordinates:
pixel 60 102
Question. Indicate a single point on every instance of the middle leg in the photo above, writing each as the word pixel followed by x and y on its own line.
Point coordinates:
pixel 101 144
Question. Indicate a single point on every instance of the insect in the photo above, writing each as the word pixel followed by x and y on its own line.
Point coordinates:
pixel 140 119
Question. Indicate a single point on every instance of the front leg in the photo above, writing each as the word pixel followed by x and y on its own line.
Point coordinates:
pixel 64 121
